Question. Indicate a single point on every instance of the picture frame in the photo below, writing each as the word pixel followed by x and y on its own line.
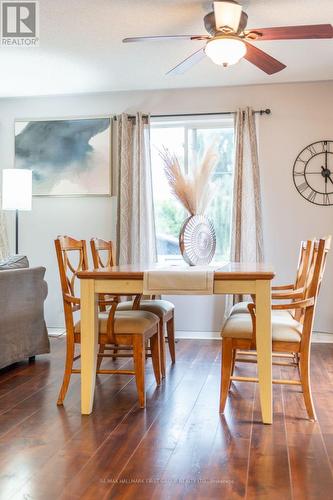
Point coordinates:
pixel 69 157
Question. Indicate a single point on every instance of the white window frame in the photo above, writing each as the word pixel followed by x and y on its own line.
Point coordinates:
pixel 193 123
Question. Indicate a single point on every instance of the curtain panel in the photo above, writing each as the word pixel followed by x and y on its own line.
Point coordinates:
pixel 246 234
pixel 4 245
pixel 136 240
pixel 247 227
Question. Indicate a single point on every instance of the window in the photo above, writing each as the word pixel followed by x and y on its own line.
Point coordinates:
pixel 189 140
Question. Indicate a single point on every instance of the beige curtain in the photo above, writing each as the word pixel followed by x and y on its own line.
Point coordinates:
pixel 136 241
pixel 4 245
pixel 246 231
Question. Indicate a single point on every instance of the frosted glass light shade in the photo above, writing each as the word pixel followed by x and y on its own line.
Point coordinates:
pixel 16 189
pixel 227 15
pixel 225 51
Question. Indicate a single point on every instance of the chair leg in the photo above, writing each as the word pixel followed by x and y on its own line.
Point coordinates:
pixel 226 367
pixel 234 354
pixel 306 386
pixel 115 351
pixel 155 356
pixel 68 369
pixel 162 347
pixel 139 367
pixel 171 338
pixel 100 359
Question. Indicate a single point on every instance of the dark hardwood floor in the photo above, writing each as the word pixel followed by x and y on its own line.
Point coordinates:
pixel 178 448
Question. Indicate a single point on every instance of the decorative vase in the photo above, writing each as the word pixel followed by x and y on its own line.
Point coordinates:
pixel 197 240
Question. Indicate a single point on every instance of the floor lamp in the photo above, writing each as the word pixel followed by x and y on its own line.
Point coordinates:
pixel 16 193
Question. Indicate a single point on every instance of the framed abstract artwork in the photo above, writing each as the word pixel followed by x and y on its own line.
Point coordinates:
pixel 70 157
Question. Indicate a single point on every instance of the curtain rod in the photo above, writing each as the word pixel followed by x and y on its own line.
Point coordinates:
pixel 266 111
pixel 260 112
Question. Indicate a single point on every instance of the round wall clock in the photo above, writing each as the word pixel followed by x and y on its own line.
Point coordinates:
pixel 313 173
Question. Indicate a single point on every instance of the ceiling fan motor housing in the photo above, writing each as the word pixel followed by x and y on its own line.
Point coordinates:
pixel 216 22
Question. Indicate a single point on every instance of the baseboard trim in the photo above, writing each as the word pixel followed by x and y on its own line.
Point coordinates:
pixel 322 338
pixel 185 334
pixel 317 337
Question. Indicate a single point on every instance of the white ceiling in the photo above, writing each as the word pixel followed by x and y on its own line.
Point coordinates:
pixel 81 50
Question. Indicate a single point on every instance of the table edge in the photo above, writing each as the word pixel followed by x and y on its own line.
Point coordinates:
pixel 137 276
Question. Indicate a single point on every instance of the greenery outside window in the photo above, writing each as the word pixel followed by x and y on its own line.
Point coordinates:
pixel 189 139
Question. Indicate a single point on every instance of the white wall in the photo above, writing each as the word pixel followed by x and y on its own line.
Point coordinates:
pixel 301 114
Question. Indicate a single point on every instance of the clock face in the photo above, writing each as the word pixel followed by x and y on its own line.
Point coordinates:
pixel 313 173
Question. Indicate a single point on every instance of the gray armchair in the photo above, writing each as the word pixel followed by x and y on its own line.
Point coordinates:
pixel 23 332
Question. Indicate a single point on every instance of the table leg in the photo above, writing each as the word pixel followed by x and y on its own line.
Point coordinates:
pixel 89 344
pixel 264 348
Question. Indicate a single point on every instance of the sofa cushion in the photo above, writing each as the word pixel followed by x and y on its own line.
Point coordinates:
pixel 14 262
pixel 23 330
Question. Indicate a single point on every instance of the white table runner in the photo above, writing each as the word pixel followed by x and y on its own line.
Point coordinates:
pixel 180 279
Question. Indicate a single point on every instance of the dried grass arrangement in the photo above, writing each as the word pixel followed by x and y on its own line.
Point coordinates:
pixel 193 191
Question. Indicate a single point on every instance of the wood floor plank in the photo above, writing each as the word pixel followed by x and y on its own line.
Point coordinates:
pixel 168 430
pixel 201 462
pixel 223 467
pixel 179 392
pixel 115 396
pixel 311 473
pixel 269 474
pixel 69 456
pixel 322 370
pixel 178 448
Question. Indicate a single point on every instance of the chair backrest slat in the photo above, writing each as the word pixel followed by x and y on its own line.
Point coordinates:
pixel 313 284
pixel 303 263
pixel 68 248
pixel 100 247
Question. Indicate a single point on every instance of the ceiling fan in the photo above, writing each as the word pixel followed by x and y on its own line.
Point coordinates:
pixel 228 40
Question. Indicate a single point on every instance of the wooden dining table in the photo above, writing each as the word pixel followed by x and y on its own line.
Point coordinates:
pixel 232 278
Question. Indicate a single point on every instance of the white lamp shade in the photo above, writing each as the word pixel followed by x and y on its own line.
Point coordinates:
pixel 16 189
pixel 227 14
pixel 225 51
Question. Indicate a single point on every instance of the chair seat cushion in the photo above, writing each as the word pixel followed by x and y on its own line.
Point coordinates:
pixel 241 308
pixel 284 328
pixel 155 306
pixel 126 322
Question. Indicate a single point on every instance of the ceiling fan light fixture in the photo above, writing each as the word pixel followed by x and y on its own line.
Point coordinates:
pixel 225 51
pixel 227 15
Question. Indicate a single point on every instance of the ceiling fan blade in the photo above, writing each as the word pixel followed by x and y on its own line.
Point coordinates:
pixel 162 38
pixel 295 32
pixel 262 60
pixel 188 63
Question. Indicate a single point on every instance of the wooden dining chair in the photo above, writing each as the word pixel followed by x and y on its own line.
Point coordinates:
pixel 162 308
pixel 305 252
pixel 130 328
pixel 292 291
pixel 108 261
pixel 289 335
